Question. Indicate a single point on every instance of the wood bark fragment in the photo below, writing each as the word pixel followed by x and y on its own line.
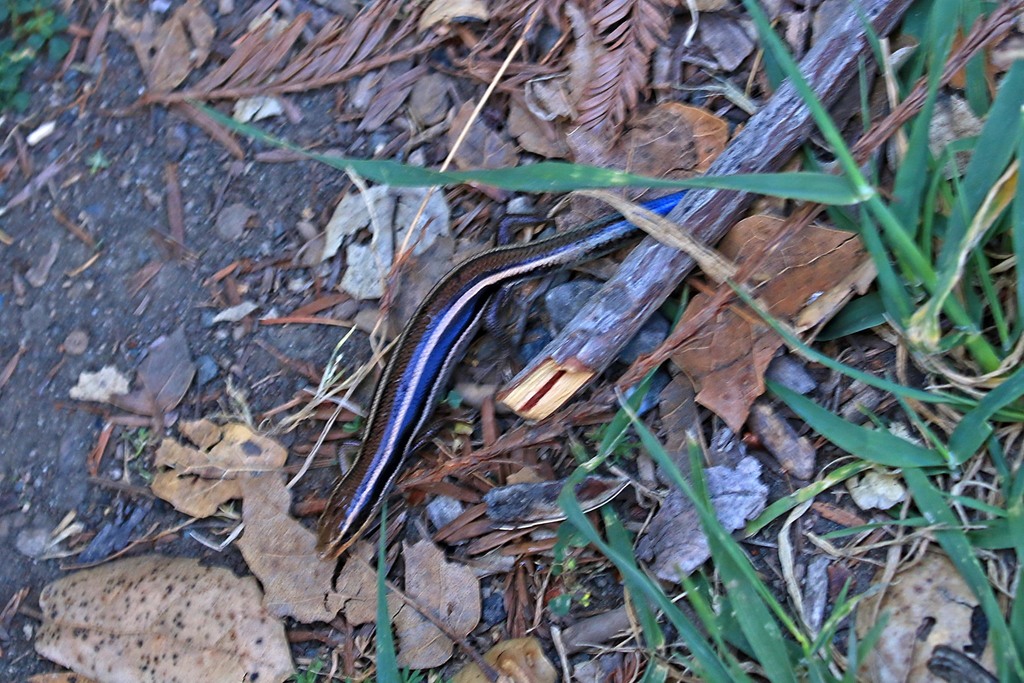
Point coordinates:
pixel 652 271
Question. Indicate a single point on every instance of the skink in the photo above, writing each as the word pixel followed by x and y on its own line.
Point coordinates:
pixel 433 341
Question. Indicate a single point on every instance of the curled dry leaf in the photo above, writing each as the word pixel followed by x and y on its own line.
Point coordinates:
pixel 450 591
pixel 162 619
pixel 63 677
pixel 520 660
pixel 282 554
pixel 256 108
pixel 197 480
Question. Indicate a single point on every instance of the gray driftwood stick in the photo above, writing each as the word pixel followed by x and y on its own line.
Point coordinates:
pixel 771 137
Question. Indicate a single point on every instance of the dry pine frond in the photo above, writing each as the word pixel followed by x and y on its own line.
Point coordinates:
pixel 628 31
pixel 341 50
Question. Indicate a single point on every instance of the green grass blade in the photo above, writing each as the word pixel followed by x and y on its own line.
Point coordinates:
pixel 744 586
pixel 1017 610
pixel 704 661
pixel 861 314
pixel 741 582
pixel 995 147
pixel 974 428
pixel 892 287
pixel 912 177
pixel 387 662
pixel 872 445
pixel 1017 230
pixel 784 505
pixel 558 176
pixel 618 538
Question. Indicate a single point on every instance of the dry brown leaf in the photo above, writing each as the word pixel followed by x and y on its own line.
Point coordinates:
pixel 197 480
pixel 393 93
pixel 162 619
pixel 674 139
pixel 394 210
pixel 928 605
pixel 165 376
pixel 282 554
pixel 169 52
pixel 727 40
pixel 543 138
pixel 548 98
pixel 521 660
pixel 64 677
pixel 671 140
pixel 482 147
pixel 728 358
pixel 450 591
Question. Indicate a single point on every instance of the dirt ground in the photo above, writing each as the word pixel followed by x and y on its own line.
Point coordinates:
pixel 45 437
pixel 91 276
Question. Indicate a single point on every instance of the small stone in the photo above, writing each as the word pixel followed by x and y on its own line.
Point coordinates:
pixel 533 342
pixel 442 510
pixel 648 338
pixel 791 373
pixel 429 100
pixel 494 609
pixel 206 369
pixel 33 542
pixel 563 302
pixel 76 342
pixel 176 141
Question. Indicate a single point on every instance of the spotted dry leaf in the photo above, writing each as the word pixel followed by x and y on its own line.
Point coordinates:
pixel 197 480
pixel 928 605
pixel 161 619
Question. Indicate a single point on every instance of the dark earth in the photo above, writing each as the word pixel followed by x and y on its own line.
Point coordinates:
pixel 105 304
pixel 45 437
